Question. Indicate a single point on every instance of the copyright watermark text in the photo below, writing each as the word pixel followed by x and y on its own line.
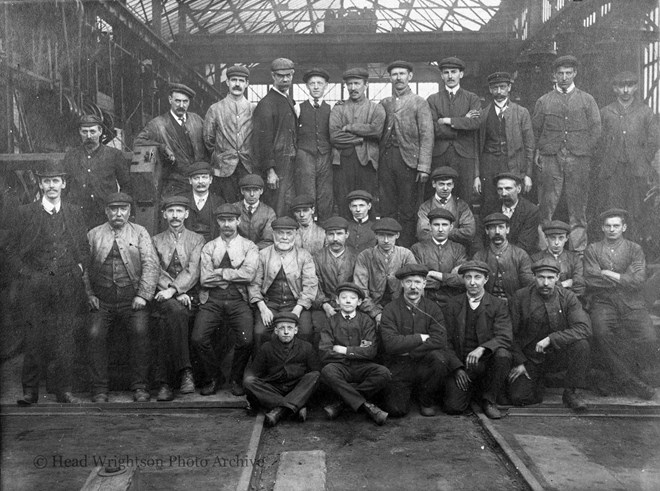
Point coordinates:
pixel 158 462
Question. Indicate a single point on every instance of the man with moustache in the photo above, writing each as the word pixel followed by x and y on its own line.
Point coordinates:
pixel 228 135
pixel 285 282
pixel 202 202
pixel 274 139
pixel 360 222
pixel 355 129
pixel 179 135
pixel 179 251
pixel 256 216
pixel 94 171
pixel 309 235
pixel 567 126
pixel 228 264
pixel 506 140
pixel 124 273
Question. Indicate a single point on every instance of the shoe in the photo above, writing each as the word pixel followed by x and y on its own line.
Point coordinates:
pixel 377 414
pixel 332 411
pixel 274 416
pixel 237 389
pixel 210 388
pixel 302 414
pixel 642 390
pixel 28 399
pixel 427 411
pixel 68 398
pixel 100 398
pixel 165 393
pixel 491 410
pixel 187 382
pixel 141 395
pixel 573 400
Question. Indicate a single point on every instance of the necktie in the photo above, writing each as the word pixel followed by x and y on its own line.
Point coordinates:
pixel 347 317
pixel 451 97
pixel 250 210
pixel 564 90
pixel 443 201
pixel 316 103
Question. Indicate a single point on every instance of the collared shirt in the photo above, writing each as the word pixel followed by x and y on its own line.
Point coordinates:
pixel 49 207
pixel 200 201
pixel 440 244
pixel 568 90
pixel 508 210
pixel 501 107
pixel 316 101
pixel 474 302
pixel 452 92
pixel 349 316
pixel 179 119
pixel 442 202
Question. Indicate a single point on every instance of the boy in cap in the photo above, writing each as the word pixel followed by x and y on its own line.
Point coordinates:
pixel 202 201
pixel 256 216
pixel 348 349
pixel 284 373
pixel 360 222
pixel 309 235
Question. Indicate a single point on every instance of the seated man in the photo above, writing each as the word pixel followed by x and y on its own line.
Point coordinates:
pixel 202 202
pixel 178 251
pixel 550 331
pixel 615 270
pixel 571 275
pixel 285 281
pixel 415 345
pixel 256 216
pixel 228 264
pixel 285 372
pixel 123 273
pixel 442 256
pixel 360 223
pixel 309 235
pixel 348 349
pixel 479 332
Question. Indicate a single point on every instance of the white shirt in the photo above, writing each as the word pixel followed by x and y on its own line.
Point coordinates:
pixel 350 316
pixel 508 210
pixel 200 201
pixel 474 302
pixel 250 208
pixel 441 244
pixel 570 89
pixel 500 108
pixel 452 92
pixel 319 101
pixel 50 207
pixel 179 119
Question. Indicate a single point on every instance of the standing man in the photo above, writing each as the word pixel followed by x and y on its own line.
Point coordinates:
pixel 94 171
pixel 309 235
pixel 455 114
pixel 228 134
pixel 202 202
pixel 506 140
pixel 360 222
pixel 124 273
pixel 314 155
pixel 405 151
pixel 179 135
pixel 567 126
pixel 49 253
pixel 355 129
pixel 179 251
pixel 275 136
pixel 256 216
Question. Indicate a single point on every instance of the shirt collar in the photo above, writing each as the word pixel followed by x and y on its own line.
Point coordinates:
pixel 452 91
pixel 364 220
pixel 439 200
pixel 49 207
pixel 177 117
pixel 570 89
pixel 248 206
pixel 280 93
pixel 340 254
pixel 474 302
pixel 512 207
pixel 351 315
pixel 502 105
pixel 319 101
pixel 442 244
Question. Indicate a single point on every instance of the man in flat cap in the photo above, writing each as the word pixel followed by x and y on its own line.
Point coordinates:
pixel 510 265
pixel 506 140
pixel 443 180
pixel 179 251
pixel 228 135
pixel 376 266
pixel 615 270
pixel 523 214
pixel 415 345
pixel 202 201
pixel 313 166
pixel 628 144
pixel 94 171
pixel 228 264
pixel 479 333
pixel 256 216
pixel 274 141
pixel 567 126
pixel 309 235
pixel 360 221
pixel 571 271
pixel 442 256
pixel 355 129
pixel 285 281
pixel 179 135
pixel 47 250
pixel 405 151
pixel 455 114
pixel 550 331
pixel 284 374
pixel 124 273
pixel 348 349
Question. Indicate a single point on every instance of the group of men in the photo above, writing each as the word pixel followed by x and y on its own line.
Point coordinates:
pixel 374 309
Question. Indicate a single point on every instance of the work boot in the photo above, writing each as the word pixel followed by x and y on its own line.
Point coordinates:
pixel 237 389
pixel 100 398
pixel 573 400
pixel 68 398
pixel 29 397
pixel 332 411
pixel 375 413
pixel 491 410
pixel 302 414
pixel 165 393
pixel 141 395
pixel 274 416
pixel 210 388
pixel 187 385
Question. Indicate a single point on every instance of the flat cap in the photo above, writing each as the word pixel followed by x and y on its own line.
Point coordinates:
pixel 227 210
pixel 362 73
pixel 359 194
pixel 626 77
pixel 451 62
pixel 238 71
pixel 441 213
pixel 316 72
pixel 301 201
pixel 285 317
pixel 411 270
pixel 51 168
pixel 351 287
pixel 443 172
pixel 90 120
pixel 614 212
pixel 507 175
pixel 200 167
pixel 499 77
pixel 251 181
pixel 118 199
pixel 479 266
pixel 556 227
pixel 335 223
pixel 387 225
pixel 282 64
pixel 183 89
pixel 566 60
pixel 174 201
pixel 495 218
pixel 284 223
pixel 546 264
pixel 399 64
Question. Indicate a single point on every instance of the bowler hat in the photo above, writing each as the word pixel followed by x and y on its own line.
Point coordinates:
pixel 556 227
pixel 200 167
pixel 546 264
pixel 251 181
pixel 441 213
pixel 411 270
pixel 118 199
pixel 183 89
pixel 352 287
pixel 387 225
pixel 175 201
pixel 359 194
pixel 399 64
pixel 238 70
pixel 443 172
pixel 51 168
pixel 452 62
pixel 282 64
pixel 362 73
pixel 479 266
pixel 316 72
pixel 284 223
pixel 226 210
pixel 495 218
pixel 285 317
pixel 335 223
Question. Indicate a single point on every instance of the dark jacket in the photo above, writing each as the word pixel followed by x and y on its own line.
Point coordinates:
pixel 359 338
pixel 361 236
pixel 444 261
pixel 193 221
pixel 331 272
pixel 523 224
pixel 314 128
pixel 275 364
pixel 515 265
pixel 571 268
pixel 464 226
pixel 274 134
pixel 462 131
pixel 257 227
